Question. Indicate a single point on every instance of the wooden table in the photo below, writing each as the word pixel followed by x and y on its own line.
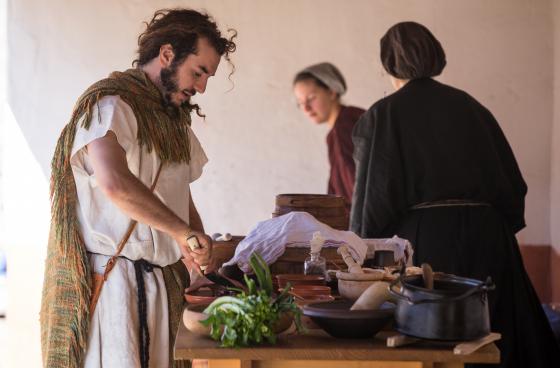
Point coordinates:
pixel 320 350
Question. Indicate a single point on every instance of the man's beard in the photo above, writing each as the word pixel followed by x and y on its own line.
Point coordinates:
pixel 168 80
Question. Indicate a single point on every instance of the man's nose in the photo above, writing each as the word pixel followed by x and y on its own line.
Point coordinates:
pixel 200 85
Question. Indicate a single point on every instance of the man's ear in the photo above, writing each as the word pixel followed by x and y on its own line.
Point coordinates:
pixel 166 55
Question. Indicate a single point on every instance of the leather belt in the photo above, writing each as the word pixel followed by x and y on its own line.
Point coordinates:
pixel 450 203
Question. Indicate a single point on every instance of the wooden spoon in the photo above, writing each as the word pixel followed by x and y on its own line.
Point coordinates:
pixel 428 276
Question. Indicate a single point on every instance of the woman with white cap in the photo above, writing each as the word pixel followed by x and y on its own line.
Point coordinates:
pixel 318 90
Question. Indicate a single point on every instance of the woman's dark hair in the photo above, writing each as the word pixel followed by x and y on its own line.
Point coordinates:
pixel 306 76
pixel 181 28
pixel 410 51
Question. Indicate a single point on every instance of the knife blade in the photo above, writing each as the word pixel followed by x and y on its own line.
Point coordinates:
pixel 216 278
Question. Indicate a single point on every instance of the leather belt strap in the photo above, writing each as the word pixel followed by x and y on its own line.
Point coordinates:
pixel 131 226
pixel 450 203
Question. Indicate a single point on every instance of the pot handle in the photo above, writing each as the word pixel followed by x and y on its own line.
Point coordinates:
pixel 486 286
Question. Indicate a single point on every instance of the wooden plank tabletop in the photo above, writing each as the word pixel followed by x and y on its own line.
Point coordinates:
pixel 319 346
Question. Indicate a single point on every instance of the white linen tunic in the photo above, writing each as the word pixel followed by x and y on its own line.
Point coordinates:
pixel 113 337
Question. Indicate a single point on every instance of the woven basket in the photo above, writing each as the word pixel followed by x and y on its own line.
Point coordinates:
pixel 328 209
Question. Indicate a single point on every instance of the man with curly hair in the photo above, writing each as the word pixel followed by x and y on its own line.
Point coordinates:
pixel 121 204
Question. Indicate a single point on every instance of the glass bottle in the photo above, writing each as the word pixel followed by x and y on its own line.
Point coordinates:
pixel 315 265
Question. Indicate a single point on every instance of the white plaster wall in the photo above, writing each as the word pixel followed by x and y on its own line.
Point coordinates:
pixel 555 159
pixel 259 144
pixel 3 84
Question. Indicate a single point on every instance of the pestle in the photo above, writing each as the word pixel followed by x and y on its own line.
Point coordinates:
pixel 372 298
pixel 428 276
pixel 353 267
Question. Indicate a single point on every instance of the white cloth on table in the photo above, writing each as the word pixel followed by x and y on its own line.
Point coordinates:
pixel 295 229
pixel 113 337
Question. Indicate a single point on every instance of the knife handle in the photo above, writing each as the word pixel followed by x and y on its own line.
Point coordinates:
pixel 193 243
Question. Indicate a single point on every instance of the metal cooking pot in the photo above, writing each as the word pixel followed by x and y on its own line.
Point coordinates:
pixel 456 309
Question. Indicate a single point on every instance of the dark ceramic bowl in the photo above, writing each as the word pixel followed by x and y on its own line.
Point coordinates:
pixel 338 320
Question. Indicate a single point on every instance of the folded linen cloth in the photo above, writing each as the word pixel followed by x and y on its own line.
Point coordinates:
pixel 295 229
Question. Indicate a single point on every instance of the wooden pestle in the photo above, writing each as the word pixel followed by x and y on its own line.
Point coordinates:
pixel 353 267
pixel 428 276
pixel 372 298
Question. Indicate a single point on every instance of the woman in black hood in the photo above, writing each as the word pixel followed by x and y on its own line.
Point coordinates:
pixel 434 167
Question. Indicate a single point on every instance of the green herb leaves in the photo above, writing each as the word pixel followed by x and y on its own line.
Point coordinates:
pixel 251 316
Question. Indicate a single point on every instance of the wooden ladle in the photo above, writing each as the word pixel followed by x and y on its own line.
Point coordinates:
pixel 428 276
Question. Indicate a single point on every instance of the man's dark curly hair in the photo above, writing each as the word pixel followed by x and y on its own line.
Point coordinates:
pixel 181 28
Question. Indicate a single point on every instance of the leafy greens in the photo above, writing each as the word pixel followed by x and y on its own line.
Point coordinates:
pixel 250 317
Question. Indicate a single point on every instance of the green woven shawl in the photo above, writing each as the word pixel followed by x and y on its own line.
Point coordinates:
pixel 67 283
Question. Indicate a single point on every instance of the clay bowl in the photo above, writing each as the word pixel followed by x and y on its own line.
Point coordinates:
pixel 309 291
pixel 206 295
pixel 352 285
pixel 193 314
pixel 300 302
pixel 338 320
pixel 299 279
